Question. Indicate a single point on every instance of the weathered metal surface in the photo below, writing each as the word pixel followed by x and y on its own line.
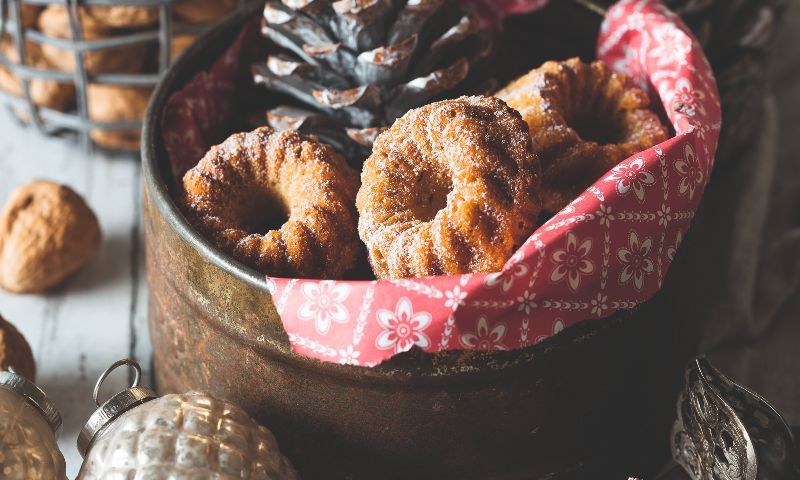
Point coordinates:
pixel 596 396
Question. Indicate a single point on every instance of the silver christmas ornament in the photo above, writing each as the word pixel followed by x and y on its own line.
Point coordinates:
pixel 29 425
pixel 728 432
pixel 137 435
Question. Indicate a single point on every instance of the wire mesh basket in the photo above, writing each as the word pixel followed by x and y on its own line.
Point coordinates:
pixel 133 28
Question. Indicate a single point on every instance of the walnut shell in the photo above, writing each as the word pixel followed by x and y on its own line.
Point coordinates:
pixel 30 13
pixel 203 11
pixel 54 22
pixel 120 16
pixel 44 93
pixel 47 232
pixel 15 351
pixel 113 103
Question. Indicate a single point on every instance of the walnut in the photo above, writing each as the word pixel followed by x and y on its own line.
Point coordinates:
pixel 203 11
pixel 114 103
pixel 54 22
pixel 15 351
pixel 47 232
pixel 44 93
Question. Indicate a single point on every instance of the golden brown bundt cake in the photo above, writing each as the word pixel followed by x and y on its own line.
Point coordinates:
pixel 280 202
pixel 583 119
pixel 451 187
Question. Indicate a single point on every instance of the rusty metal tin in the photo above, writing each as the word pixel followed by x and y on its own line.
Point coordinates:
pixel 595 399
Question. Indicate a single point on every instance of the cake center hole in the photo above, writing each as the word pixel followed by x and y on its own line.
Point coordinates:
pixel 431 195
pixel 263 213
pixel 600 130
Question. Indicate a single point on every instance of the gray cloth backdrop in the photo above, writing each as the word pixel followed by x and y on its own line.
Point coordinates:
pixel 735 284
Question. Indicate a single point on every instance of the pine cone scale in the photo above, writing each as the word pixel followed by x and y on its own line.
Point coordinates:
pixel 362 24
pixel 385 65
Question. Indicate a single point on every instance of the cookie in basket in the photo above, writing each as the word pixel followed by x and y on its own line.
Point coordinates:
pixel 44 93
pixel 114 103
pixel 584 119
pixel 54 22
pixel 203 11
pixel 280 202
pixel 451 187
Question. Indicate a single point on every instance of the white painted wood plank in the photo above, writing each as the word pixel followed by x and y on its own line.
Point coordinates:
pixel 98 316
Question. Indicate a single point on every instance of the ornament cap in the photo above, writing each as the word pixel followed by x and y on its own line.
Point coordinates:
pixel 115 406
pixel 35 396
pixel 725 427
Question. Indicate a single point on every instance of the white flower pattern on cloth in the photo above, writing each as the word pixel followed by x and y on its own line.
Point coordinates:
pixel 689 169
pixel 636 261
pixel 324 304
pixel 507 277
pixel 572 262
pixel 455 298
pixel 349 356
pixel 484 338
pixel 688 100
pixel 631 176
pixel 664 215
pixel 402 328
pixel 605 215
pixel 599 305
pixel 527 302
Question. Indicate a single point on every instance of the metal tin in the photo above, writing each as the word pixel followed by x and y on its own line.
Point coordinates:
pixel 596 399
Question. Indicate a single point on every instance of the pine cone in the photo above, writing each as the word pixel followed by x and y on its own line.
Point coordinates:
pixel 357 65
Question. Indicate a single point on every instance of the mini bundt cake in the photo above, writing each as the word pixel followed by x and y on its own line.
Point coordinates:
pixel 584 119
pixel 280 202
pixel 451 187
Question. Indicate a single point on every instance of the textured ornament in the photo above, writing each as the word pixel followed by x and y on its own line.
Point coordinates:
pixel 29 425
pixel 725 431
pixel 136 435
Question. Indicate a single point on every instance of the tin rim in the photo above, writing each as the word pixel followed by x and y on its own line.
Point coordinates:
pixel 153 151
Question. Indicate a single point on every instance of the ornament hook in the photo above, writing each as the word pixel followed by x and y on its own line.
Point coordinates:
pixel 137 376
pixel 115 406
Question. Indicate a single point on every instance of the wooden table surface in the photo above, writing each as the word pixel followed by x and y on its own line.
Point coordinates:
pixel 99 315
